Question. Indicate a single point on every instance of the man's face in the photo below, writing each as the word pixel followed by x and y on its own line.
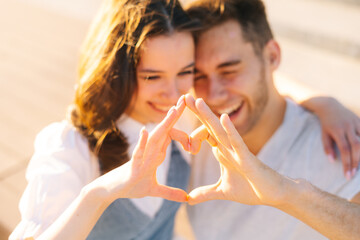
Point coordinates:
pixel 230 77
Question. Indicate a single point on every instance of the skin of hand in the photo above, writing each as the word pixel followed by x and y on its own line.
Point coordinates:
pixel 138 176
pixel 134 179
pixel 243 178
pixel 340 126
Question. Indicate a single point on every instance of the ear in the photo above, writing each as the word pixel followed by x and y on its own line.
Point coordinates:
pixel 273 54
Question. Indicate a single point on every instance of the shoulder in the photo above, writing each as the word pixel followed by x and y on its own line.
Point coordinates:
pixel 301 115
pixel 298 129
pixel 302 124
pixel 296 144
pixel 309 159
pixel 60 167
pixel 59 134
pixel 59 147
pixel 301 133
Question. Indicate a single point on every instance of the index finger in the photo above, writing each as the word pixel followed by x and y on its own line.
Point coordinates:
pixel 206 116
pixel 169 121
pixel 212 122
pixel 198 136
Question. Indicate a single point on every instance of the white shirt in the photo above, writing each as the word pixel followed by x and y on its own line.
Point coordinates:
pixel 294 150
pixel 62 165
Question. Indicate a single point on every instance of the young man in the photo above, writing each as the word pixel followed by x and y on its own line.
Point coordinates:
pixel 236 56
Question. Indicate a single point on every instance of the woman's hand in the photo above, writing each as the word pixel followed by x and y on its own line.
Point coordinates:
pixel 137 177
pixel 340 126
pixel 134 179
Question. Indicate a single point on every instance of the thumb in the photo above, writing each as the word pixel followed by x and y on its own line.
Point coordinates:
pixel 169 193
pixel 198 136
pixel 204 193
pixel 181 137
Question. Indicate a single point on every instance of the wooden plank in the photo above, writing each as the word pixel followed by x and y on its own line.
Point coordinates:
pixel 38 59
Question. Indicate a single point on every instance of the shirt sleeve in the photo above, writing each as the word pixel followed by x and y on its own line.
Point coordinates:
pixel 351 188
pixel 60 167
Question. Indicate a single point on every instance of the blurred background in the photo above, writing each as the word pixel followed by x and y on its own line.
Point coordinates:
pixel 39 48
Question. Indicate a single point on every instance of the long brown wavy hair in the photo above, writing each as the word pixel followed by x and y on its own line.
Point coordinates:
pixel 107 69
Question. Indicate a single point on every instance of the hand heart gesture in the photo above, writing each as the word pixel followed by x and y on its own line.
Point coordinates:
pixel 137 177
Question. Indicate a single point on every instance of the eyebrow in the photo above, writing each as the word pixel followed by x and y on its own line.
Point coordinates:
pixel 190 65
pixel 157 71
pixel 228 64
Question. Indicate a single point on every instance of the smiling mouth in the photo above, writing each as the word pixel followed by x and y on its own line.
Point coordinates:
pixel 160 108
pixel 231 110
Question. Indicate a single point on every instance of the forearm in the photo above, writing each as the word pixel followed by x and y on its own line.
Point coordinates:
pixel 80 217
pixel 332 216
pixel 319 104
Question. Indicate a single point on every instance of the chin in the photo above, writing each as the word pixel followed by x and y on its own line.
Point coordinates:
pixel 243 127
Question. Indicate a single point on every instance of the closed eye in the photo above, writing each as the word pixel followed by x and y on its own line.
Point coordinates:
pixel 150 78
pixel 228 72
pixel 186 73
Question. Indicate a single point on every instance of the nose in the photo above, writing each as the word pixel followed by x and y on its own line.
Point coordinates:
pixel 217 91
pixel 171 92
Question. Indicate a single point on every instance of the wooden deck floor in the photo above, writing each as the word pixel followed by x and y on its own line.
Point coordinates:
pixel 38 59
pixel 38 56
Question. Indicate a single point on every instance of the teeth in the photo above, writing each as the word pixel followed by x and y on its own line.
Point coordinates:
pixel 229 109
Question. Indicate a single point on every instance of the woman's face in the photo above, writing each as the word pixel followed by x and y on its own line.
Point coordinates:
pixel 164 73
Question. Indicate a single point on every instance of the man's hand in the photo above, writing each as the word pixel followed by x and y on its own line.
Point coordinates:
pixel 244 178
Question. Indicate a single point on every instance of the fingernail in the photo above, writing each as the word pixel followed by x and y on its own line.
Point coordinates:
pixel 331 158
pixel 353 173
pixel 142 131
pixel 348 175
pixel 181 99
pixel 171 110
pixel 198 100
pixel 225 115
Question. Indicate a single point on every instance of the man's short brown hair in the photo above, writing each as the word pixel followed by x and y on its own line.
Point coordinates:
pixel 250 14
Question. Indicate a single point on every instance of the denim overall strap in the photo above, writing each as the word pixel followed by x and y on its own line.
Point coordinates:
pixel 123 220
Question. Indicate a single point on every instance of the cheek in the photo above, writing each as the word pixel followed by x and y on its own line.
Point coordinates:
pixel 147 90
pixel 244 81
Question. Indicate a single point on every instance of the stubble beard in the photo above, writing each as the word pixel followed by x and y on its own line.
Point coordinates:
pixel 260 100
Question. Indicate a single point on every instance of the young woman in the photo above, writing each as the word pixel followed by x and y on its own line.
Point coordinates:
pixel 137 61
pixel 90 175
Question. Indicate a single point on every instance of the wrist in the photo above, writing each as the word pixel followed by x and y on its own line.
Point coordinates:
pixel 272 188
pixel 296 193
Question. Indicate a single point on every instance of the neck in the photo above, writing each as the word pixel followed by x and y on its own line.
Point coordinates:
pixel 269 122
